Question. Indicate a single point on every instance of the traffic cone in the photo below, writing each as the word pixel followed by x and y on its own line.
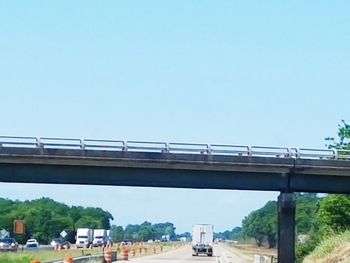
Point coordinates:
pixel 108 256
pixel 68 260
pixel 124 253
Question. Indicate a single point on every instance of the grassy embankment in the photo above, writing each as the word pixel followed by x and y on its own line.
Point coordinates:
pixel 249 250
pixel 47 255
pixel 43 255
pixel 332 250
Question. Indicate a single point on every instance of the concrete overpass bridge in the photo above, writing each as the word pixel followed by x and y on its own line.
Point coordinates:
pixel 180 165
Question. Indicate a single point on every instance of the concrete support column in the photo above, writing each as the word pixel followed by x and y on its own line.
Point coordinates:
pixel 286 228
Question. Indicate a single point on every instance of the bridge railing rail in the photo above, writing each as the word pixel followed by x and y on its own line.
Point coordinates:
pixel 172 147
pixel 14 141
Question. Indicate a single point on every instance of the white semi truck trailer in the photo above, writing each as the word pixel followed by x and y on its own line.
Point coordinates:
pixel 202 239
pixel 100 238
pixel 84 237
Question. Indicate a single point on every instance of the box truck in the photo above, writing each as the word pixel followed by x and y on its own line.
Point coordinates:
pixel 100 238
pixel 84 237
pixel 202 239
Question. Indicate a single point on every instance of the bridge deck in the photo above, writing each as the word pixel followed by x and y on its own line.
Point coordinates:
pixel 163 169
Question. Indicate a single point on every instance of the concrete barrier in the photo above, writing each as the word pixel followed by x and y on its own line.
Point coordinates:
pixel 87 259
pixel 263 259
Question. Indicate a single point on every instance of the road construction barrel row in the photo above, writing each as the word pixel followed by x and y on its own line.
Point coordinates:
pixel 65 260
pixel 133 252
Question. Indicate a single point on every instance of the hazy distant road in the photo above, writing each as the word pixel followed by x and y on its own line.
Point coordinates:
pixel 221 255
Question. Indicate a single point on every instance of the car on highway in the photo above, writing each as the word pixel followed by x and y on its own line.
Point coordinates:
pixel 32 243
pixel 60 243
pixel 8 244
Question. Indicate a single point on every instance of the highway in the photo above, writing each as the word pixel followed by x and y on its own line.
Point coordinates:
pixel 221 255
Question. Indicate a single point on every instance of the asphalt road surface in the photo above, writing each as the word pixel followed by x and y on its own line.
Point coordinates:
pixel 221 255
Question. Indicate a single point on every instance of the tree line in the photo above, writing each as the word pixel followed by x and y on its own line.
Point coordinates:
pixel 317 217
pixel 234 234
pixel 144 232
pixel 46 219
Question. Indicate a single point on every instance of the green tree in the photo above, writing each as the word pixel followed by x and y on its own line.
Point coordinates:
pixel 164 229
pixel 88 222
pixel 187 235
pixel 334 209
pixel 117 233
pixel 46 218
pixel 262 224
pixel 306 210
pixel 334 213
pixel 343 142
pixel 252 228
pixel 131 232
pixel 236 234
pixel 146 233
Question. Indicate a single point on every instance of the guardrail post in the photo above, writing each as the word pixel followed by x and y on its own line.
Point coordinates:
pixel 209 151
pixel 166 148
pixel 82 144
pixel 286 228
pixel 249 151
pixel 125 146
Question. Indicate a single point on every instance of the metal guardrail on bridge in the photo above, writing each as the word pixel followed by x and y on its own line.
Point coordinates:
pixel 179 148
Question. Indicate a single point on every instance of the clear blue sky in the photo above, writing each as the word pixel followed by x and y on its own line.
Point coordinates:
pixel 236 72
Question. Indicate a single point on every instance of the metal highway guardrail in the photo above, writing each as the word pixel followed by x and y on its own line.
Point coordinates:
pixel 178 148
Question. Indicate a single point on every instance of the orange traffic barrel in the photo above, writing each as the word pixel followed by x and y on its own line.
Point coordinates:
pixel 124 254
pixel 35 261
pixel 132 253
pixel 108 256
pixel 68 260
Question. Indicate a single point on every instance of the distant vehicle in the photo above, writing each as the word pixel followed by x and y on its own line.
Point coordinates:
pixel 32 243
pixel 109 238
pixel 126 243
pixel 60 242
pixel 100 238
pixel 8 244
pixel 109 241
pixel 84 237
pixel 202 239
pixel 165 238
pixel 183 239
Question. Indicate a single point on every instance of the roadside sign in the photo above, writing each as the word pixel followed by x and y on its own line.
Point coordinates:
pixel 63 234
pixel 4 233
pixel 19 227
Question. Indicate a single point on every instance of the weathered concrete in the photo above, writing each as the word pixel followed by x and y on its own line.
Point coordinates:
pixel 87 259
pixel 58 166
pixel 287 175
pixel 286 228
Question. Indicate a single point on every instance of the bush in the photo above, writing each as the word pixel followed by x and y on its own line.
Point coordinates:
pixel 20 259
pixel 304 249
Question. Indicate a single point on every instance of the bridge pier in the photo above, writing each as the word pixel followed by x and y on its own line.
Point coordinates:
pixel 286 228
